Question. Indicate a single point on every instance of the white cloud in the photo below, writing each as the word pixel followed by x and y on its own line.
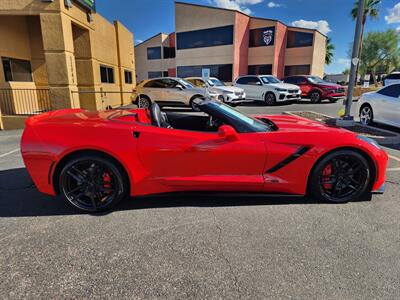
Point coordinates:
pixel 272 4
pixel 248 2
pixel 320 25
pixel 239 5
pixel 343 61
pixel 394 14
pixel 138 41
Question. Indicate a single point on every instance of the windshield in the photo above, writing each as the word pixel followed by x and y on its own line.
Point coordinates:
pixel 269 79
pixel 185 83
pixel 316 79
pixel 215 82
pixel 225 112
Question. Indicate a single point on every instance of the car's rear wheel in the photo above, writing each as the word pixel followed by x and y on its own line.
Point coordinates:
pixel 366 115
pixel 93 183
pixel 144 102
pixel 315 97
pixel 270 99
pixel 341 176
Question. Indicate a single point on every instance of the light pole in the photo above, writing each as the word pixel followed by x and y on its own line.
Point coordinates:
pixel 347 119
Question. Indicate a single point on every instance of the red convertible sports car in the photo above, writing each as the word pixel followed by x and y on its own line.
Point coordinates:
pixel 95 159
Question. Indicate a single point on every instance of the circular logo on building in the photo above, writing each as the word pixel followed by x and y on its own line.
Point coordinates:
pixel 267 36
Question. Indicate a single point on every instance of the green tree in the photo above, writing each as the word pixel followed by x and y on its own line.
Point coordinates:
pixel 329 51
pixel 346 71
pixel 380 52
pixel 371 10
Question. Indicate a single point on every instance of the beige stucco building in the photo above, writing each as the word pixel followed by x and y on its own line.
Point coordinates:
pixel 65 51
pixel 229 43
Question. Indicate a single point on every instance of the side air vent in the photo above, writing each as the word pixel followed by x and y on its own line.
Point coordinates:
pixel 299 152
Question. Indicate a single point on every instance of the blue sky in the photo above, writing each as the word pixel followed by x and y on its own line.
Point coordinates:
pixel 146 18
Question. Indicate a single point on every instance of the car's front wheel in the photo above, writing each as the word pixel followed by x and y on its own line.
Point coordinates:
pixel 315 97
pixel 341 176
pixel 193 103
pixel 270 99
pixel 143 102
pixel 366 115
pixel 93 182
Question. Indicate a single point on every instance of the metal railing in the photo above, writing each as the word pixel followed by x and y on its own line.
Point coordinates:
pixel 24 102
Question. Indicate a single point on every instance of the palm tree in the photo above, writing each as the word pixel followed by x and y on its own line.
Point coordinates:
pixel 329 51
pixel 370 10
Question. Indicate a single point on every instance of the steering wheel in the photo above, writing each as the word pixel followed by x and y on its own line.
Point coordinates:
pixel 158 118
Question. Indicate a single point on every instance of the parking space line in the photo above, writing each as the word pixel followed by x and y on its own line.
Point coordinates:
pixel 396 159
pixel 8 153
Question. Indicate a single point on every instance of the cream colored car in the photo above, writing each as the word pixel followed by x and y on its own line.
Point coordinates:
pixel 228 94
pixel 169 91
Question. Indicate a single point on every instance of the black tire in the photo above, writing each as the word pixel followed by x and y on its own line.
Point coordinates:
pixel 193 105
pixel 366 114
pixel 341 176
pixel 143 101
pixel 315 96
pixel 270 99
pixel 93 182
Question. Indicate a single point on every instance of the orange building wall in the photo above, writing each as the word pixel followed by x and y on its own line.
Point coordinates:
pixel 241 45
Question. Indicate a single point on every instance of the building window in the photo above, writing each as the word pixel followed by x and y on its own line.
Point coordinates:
pixel 17 70
pixel 169 52
pixel 299 39
pixel 165 73
pixel 211 37
pixel 106 74
pixel 262 37
pixel 154 53
pixel 222 72
pixel 154 74
pixel 260 70
pixel 128 77
pixel 297 70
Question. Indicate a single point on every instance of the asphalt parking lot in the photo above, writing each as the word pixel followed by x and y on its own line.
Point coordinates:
pixel 198 247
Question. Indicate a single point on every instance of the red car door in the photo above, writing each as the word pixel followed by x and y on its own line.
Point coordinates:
pixel 194 160
pixel 304 85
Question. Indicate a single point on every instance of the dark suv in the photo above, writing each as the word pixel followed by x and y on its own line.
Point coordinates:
pixel 317 89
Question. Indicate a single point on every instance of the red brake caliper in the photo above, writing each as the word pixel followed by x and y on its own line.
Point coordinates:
pixel 326 176
pixel 106 180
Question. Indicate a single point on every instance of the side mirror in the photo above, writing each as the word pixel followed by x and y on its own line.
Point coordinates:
pixel 179 87
pixel 228 132
pixel 258 83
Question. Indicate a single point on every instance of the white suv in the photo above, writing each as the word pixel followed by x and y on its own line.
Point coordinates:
pixel 267 88
pixel 392 78
pixel 228 94
pixel 169 91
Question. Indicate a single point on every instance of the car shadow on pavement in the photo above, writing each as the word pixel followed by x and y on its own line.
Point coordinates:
pixel 20 198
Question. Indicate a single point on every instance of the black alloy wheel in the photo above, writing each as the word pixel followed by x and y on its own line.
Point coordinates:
pixel 93 183
pixel 270 99
pixel 342 176
pixel 315 97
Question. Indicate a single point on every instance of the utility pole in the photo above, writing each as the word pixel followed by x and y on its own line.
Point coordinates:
pixel 347 119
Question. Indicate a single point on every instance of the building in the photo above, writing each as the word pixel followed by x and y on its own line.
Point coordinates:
pixel 61 54
pixel 229 43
